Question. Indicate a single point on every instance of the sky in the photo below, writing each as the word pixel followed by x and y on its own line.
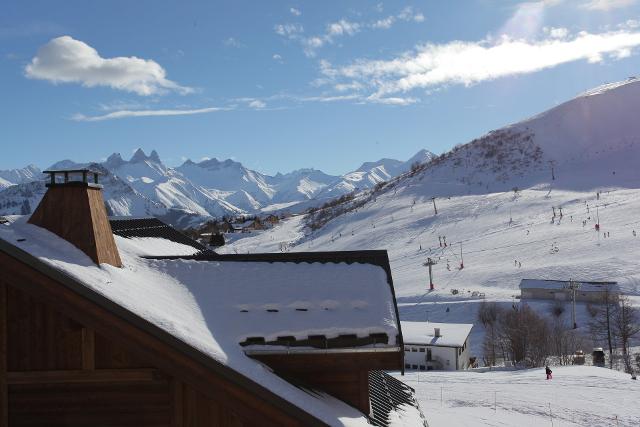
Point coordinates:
pixel 282 85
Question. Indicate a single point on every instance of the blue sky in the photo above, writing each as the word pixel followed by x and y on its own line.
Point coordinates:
pixel 281 85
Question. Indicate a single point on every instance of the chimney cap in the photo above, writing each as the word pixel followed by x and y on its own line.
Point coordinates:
pixel 66 172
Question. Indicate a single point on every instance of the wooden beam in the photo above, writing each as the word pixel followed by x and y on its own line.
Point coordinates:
pixel 76 377
pixel 88 349
pixel 4 395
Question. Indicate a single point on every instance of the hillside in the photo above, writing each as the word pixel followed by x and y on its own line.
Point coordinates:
pixel 495 198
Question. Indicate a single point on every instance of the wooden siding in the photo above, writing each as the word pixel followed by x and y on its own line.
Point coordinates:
pixel 88 368
pixel 77 214
pixel 343 375
pixel 40 338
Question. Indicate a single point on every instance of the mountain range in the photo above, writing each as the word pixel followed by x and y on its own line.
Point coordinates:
pixel 195 191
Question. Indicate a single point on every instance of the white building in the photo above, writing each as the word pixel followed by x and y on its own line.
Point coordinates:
pixel 436 346
pixel 559 290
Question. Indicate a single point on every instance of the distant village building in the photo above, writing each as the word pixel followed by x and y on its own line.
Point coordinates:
pixel 559 290
pixel 436 346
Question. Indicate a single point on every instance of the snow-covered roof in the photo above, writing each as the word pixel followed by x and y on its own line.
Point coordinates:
pixel 153 237
pixel 451 334
pixel 214 305
pixel 562 284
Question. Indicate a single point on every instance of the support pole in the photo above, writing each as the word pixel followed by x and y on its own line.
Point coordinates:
pixel 573 286
pixel 435 209
pixel 461 259
pixel 430 263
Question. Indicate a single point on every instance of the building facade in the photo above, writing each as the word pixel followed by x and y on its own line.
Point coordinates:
pixel 436 346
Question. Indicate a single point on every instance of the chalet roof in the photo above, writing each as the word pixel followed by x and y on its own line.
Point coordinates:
pixel 584 286
pixel 451 334
pixel 211 303
pixel 153 237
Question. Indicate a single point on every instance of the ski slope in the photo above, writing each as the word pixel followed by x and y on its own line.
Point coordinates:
pixel 576 396
pixel 495 198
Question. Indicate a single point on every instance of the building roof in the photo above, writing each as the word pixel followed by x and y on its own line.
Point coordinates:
pixel 584 286
pixel 153 237
pixel 213 303
pixel 451 334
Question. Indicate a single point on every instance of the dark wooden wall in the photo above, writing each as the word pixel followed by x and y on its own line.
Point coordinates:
pixel 343 375
pixel 61 366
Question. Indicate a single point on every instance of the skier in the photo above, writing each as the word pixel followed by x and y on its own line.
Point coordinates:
pixel 548 372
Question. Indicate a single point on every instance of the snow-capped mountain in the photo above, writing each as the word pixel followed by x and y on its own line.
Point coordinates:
pixel 19 176
pixel 192 192
pixel 372 173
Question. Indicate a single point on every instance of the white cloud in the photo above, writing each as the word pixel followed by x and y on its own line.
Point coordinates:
pixel 342 28
pixel 407 14
pixel 295 12
pixel 232 42
pixel 556 33
pixel 277 57
pixel 144 113
pixel 291 31
pixel 66 60
pixel 608 4
pixel 257 104
pixel 384 23
pixel 435 65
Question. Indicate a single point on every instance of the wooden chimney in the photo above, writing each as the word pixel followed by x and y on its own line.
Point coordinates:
pixel 74 210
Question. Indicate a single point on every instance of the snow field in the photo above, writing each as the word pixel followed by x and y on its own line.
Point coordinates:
pixel 576 396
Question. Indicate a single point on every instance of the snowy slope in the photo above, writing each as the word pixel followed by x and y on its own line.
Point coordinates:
pixel 495 226
pixel 576 396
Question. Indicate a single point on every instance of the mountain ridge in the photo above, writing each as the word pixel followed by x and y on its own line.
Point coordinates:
pixel 193 190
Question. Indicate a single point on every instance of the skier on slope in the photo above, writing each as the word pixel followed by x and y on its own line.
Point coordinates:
pixel 548 371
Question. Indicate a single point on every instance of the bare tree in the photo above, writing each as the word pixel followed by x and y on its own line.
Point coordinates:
pixel 602 325
pixel 526 336
pixel 488 314
pixel 626 325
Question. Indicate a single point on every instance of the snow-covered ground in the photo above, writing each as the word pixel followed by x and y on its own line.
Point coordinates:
pixel 576 396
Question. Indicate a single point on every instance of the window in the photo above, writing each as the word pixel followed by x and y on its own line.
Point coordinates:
pixel 428 355
pixel 407 366
pixel 422 350
pixel 414 366
pixel 406 349
pixel 414 349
